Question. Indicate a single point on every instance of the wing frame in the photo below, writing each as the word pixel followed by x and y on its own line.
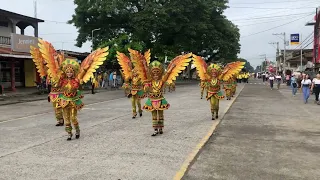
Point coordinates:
pixel 91 63
pixel 201 67
pixel 176 66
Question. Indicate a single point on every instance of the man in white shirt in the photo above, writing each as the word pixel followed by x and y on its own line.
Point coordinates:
pixel 278 78
pixel 271 79
pixel 114 77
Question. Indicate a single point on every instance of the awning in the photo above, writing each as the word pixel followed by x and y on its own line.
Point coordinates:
pixel 16 56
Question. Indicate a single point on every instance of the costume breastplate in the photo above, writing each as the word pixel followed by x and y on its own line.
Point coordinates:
pixel 156 90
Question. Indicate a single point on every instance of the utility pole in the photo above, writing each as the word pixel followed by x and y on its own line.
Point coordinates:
pixel 278 65
pixel 301 53
pixel 284 48
pixel 265 59
pixel 35 8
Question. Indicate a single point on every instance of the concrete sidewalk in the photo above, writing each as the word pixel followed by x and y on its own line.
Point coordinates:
pixel 267 134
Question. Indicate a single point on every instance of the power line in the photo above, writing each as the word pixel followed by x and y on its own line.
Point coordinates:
pixel 264 17
pixel 276 26
pixel 308 37
pixel 271 8
pixel 275 2
pixel 277 11
pixel 308 44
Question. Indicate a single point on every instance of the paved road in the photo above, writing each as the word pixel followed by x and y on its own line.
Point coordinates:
pixel 266 134
pixel 112 145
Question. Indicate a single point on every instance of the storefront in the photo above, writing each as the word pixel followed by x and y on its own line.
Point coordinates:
pixel 16 69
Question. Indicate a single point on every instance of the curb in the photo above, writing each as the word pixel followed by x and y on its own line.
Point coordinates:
pixel 196 151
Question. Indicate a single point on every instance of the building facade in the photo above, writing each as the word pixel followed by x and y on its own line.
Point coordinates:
pixel 16 65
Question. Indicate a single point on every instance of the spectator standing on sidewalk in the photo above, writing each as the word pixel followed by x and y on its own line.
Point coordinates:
pixel 279 79
pixel 294 85
pixel 315 87
pixel 114 78
pixel 306 84
pixel 271 80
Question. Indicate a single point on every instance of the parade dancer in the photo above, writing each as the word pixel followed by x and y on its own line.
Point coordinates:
pixel 172 86
pixel 234 85
pixel 154 77
pixel 133 84
pixel 202 87
pixel 55 90
pixel 228 86
pixel 70 77
pixel 213 75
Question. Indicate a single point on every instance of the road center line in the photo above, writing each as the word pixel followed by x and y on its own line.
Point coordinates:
pixel 49 112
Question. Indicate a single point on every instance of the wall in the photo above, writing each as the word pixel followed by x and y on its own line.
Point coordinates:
pixel 5 31
pixel 30 73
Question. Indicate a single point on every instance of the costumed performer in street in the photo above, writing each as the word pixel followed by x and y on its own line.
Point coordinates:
pixel 132 81
pixel 213 75
pixel 202 85
pixel 154 77
pixel 234 85
pixel 70 77
pixel 55 89
pixel 172 86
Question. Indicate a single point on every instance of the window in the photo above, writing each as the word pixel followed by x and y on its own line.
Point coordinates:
pixel 4 24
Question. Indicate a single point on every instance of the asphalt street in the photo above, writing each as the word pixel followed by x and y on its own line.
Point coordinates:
pixel 266 134
pixel 111 146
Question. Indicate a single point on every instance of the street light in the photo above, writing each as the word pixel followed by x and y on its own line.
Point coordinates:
pixel 98 29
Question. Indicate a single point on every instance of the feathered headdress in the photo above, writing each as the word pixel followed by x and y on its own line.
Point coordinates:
pixel 70 64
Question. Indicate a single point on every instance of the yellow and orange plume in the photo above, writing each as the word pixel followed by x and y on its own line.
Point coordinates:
pixel 125 64
pixel 232 69
pixel 178 64
pixel 201 66
pixel 38 61
pixel 48 53
pixel 92 63
pixel 140 64
pixel 147 56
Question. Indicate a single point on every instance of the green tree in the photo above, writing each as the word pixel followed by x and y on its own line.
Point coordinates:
pixel 121 44
pixel 167 27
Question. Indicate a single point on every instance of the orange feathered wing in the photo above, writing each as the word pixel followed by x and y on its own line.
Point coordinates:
pixel 140 64
pixel 147 56
pixel 126 65
pixel 49 54
pixel 232 69
pixel 176 66
pixel 38 61
pixel 92 62
pixel 201 67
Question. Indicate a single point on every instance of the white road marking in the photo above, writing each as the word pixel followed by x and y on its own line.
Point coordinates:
pixel 35 115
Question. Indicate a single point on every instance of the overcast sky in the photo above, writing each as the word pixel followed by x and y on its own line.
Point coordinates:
pixel 257 20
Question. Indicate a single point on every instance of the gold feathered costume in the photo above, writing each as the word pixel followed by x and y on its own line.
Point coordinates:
pixel 69 76
pixel 212 75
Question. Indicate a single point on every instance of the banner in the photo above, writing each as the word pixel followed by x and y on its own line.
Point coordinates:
pixel 294 39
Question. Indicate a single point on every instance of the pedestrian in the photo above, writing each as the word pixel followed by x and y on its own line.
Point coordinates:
pixel 306 84
pixel 294 85
pixel 288 79
pixel 104 79
pixel 278 78
pixel 315 87
pixel 271 79
pixel 110 79
pixel 263 77
pixel 114 77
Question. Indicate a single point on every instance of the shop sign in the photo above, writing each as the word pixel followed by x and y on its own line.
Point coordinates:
pixel 22 43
